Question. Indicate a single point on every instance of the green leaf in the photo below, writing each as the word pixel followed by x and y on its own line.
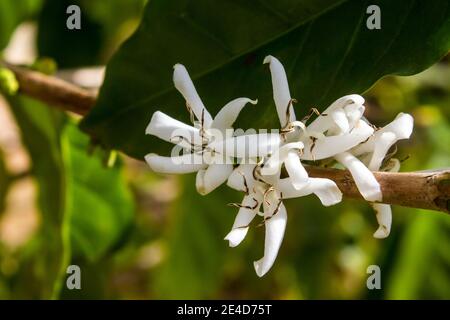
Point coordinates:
pixel 81 47
pixel 41 128
pixel 12 13
pixel 102 204
pixel 325 46
pixel 196 249
pixel 103 24
pixel 86 208
pixel 423 261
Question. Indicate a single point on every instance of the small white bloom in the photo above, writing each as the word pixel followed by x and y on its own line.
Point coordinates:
pixel 342 128
pixel 210 147
pixel 200 141
pixel 289 152
pixel 248 178
pixel 374 151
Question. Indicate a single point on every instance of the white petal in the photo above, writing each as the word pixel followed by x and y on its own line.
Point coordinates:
pixel 384 217
pixel 354 113
pixel 281 94
pixel 325 189
pixel 393 165
pixel 402 126
pixel 327 147
pixel 367 185
pixel 184 85
pixel 241 172
pixel 275 228
pixel 186 163
pixel 340 118
pixel 167 128
pixel 248 146
pixel 382 145
pixel 229 113
pixel 324 122
pixel 273 165
pixel 296 171
pixel 241 222
pixel 209 179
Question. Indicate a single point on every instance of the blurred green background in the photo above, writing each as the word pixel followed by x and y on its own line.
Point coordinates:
pixel 169 241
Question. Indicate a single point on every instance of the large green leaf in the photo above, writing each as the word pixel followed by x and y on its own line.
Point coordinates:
pixel 101 203
pixel 103 24
pixel 196 249
pixel 86 208
pixel 41 127
pixel 13 12
pixel 422 268
pixel 325 46
pixel 81 47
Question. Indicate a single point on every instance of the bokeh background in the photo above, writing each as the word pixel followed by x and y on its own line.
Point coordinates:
pixel 174 247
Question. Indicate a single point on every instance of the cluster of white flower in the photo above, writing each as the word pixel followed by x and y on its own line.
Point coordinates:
pixel 268 167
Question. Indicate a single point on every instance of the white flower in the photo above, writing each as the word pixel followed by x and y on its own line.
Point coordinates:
pixel 340 132
pixel 212 166
pixel 247 178
pixel 373 152
pixel 289 152
pixel 263 186
pixel 210 147
pixel 338 129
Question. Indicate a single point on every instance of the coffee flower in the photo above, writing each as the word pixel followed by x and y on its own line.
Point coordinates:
pixel 212 166
pixel 262 182
pixel 374 151
pixel 269 196
pixel 270 166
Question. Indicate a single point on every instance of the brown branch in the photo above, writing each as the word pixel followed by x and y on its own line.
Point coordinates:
pixel 426 190
pixel 53 91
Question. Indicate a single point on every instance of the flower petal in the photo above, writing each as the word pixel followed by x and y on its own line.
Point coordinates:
pixel 325 189
pixel 184 85
pixel 273 165
pixel 281 94
pixel 382 146
pixel 354 113
pixel 295 169
pixel 186 163
pixel 340 119
pixel 248 146
pixel 327 147
pixel 325 122
pixel 242 221
pixel 384 217
pixel 367 185
pixel 275 227
pixel 229 113
pixel 401 127
pixel 212 177
pixel 167 128
pixel 241 178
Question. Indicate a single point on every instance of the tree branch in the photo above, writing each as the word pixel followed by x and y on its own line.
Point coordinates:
pixel 426 190
pixel 53 91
